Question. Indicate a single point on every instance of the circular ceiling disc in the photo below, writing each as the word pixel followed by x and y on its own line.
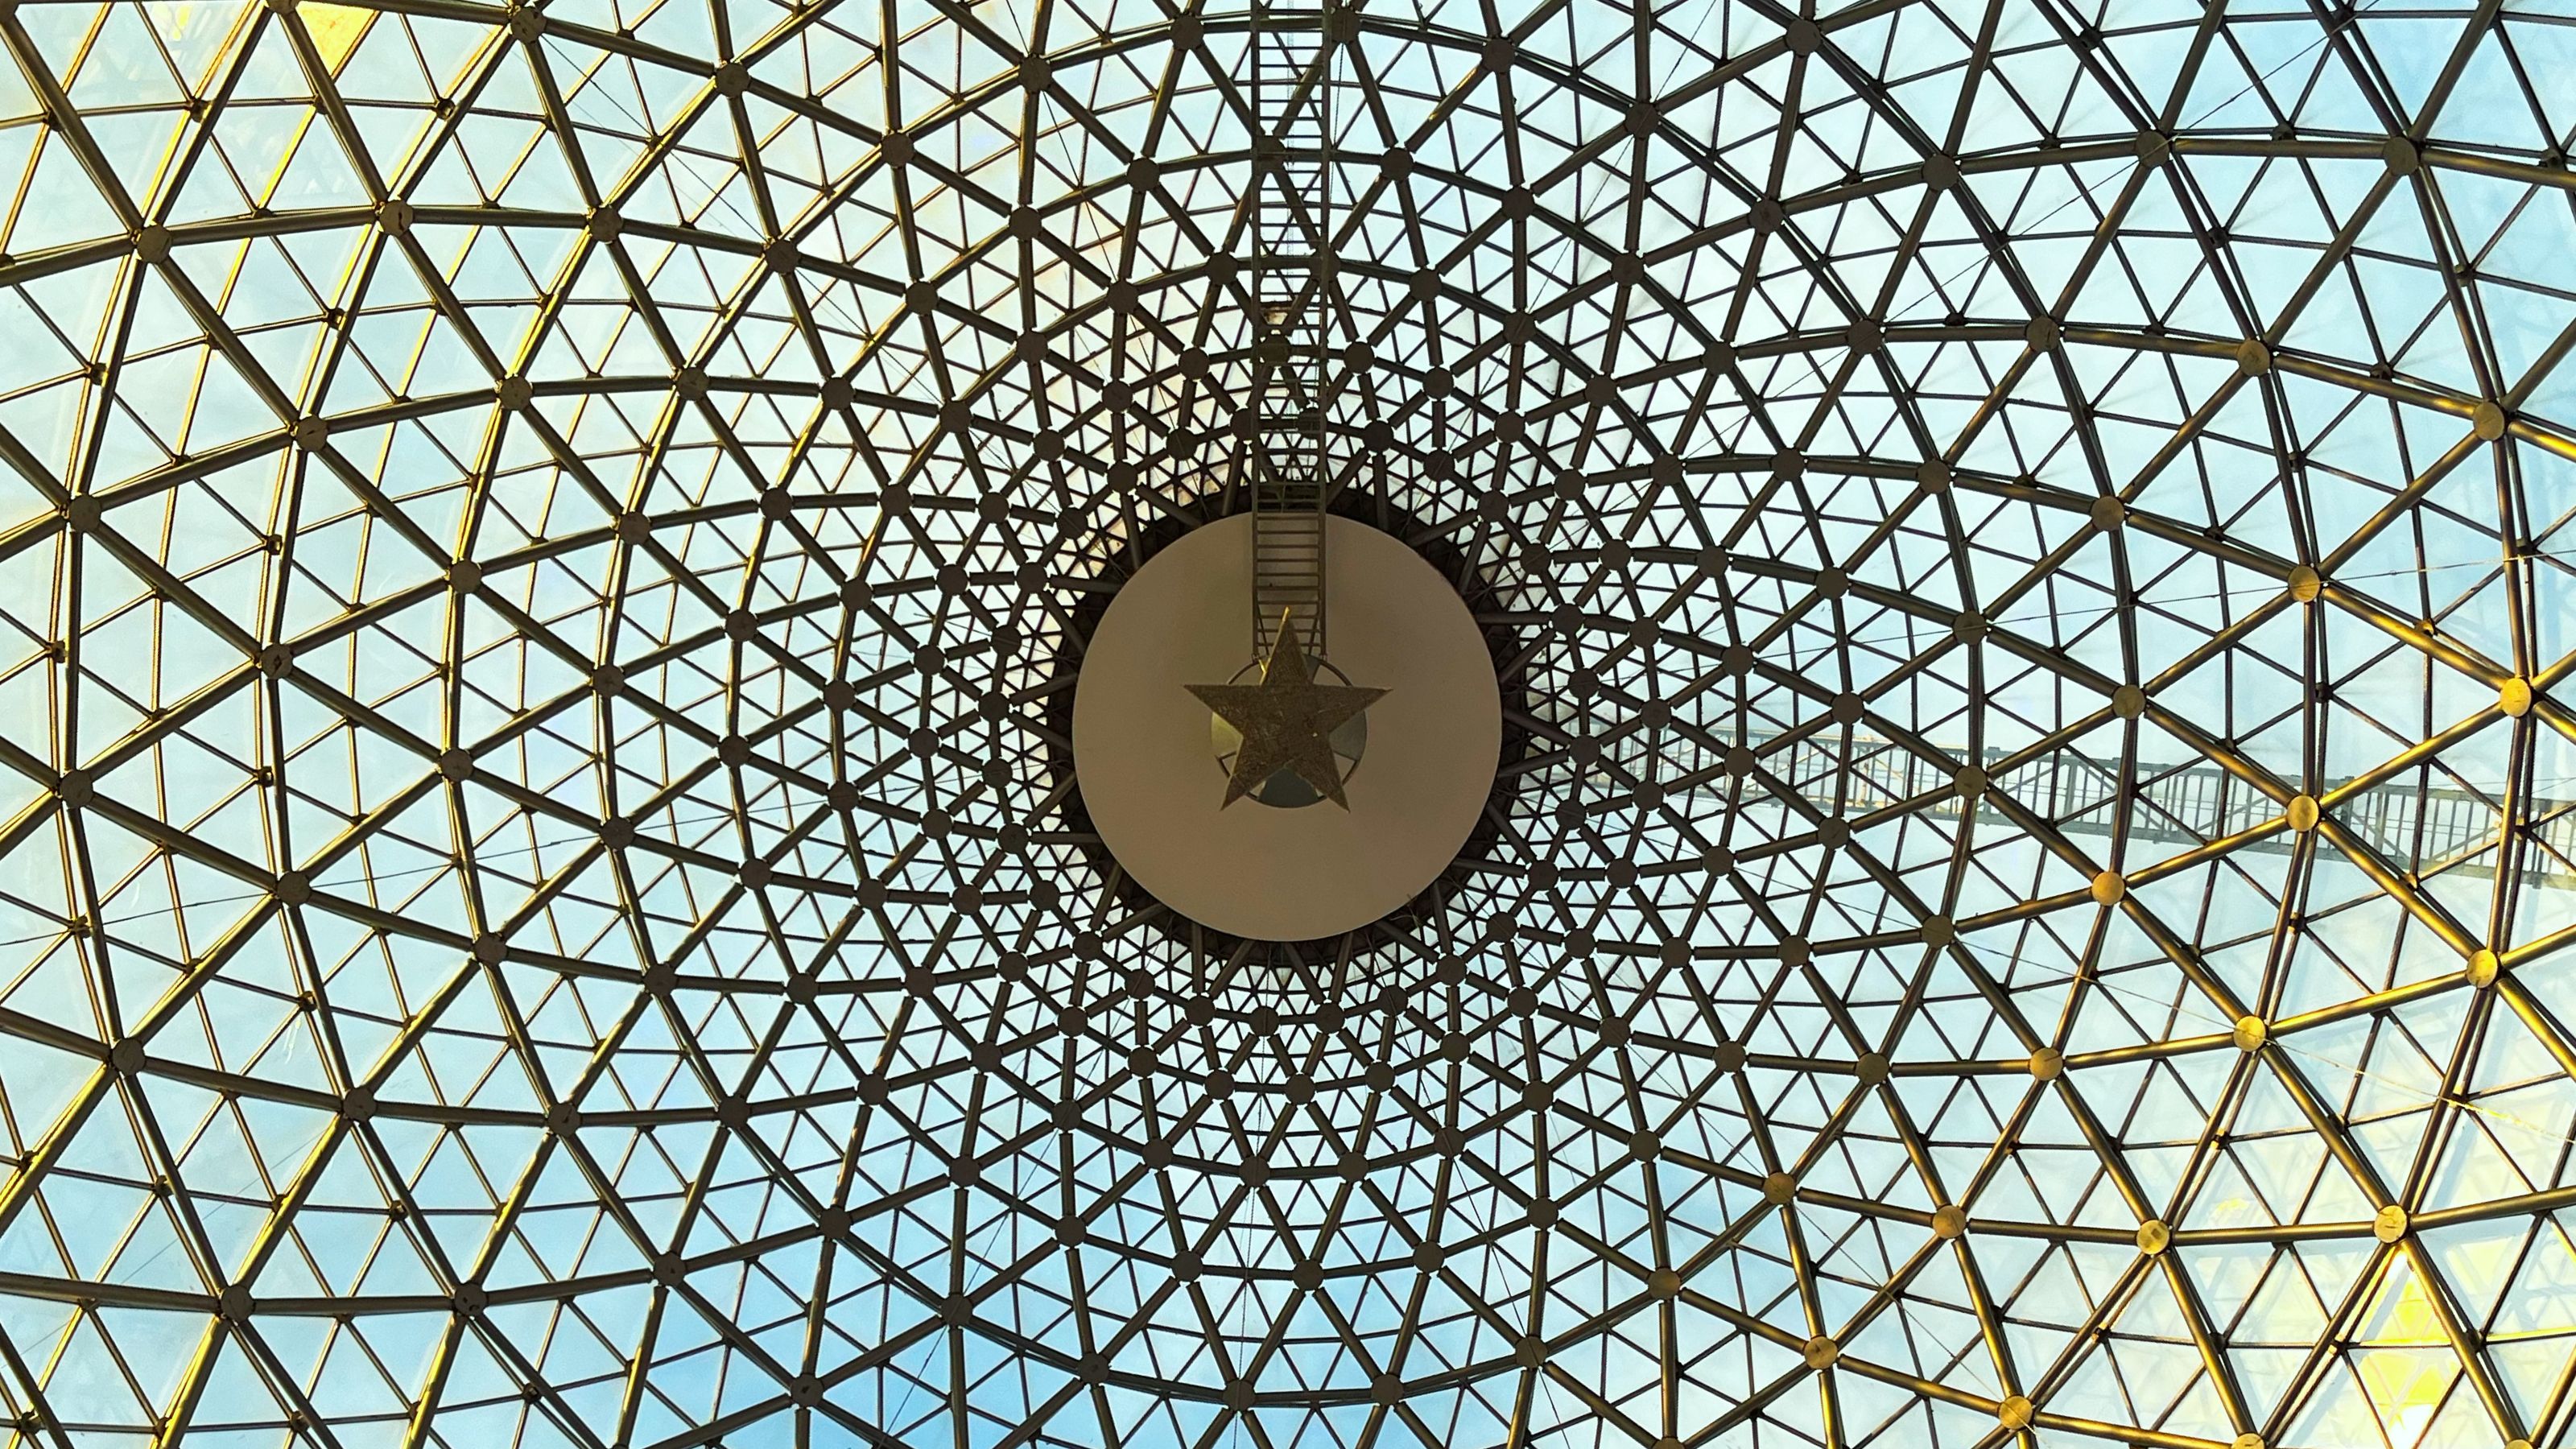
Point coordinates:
pixel 1152 782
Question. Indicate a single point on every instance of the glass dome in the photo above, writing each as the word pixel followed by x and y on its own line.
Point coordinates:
pixel 543 901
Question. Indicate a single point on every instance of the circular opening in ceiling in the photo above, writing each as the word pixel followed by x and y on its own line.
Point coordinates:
pixel 1141 739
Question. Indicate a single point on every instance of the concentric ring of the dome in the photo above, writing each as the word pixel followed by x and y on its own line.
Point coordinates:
pixel 538 913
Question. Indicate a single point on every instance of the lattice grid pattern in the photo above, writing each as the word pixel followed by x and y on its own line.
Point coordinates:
pixel 535 910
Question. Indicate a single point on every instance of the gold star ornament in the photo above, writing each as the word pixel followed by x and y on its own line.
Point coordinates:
pixel 1287 721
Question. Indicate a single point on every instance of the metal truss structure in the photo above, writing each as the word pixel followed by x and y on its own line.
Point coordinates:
pixel 1290 82
pixel 2442 829
pixel 534 544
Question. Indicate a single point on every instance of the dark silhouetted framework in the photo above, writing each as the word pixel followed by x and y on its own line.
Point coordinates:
pixel 536 552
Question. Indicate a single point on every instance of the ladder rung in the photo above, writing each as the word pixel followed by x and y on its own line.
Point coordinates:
pixel 1292 105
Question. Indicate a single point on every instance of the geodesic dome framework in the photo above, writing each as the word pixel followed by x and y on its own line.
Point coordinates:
pixel 539 909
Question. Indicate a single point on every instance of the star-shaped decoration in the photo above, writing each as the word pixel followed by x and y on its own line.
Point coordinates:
pixel 1287 721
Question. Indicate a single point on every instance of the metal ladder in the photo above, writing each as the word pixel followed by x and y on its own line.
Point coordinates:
pixel 1286 469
